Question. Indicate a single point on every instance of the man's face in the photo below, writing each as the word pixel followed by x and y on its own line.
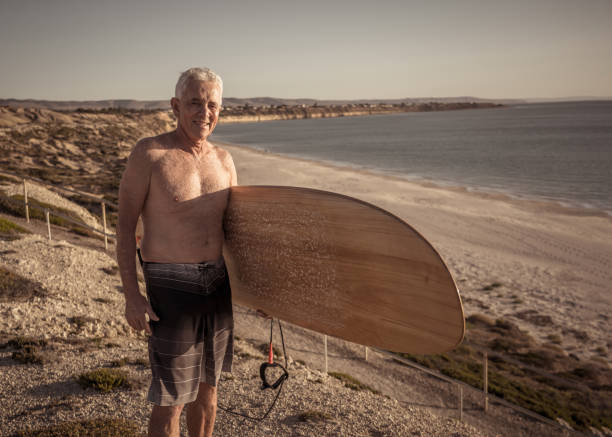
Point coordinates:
pixel 197 110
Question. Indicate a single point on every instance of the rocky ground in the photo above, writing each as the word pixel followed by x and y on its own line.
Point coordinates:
pixel 75 319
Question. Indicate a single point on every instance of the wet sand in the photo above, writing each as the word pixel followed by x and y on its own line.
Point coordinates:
pixel 546 267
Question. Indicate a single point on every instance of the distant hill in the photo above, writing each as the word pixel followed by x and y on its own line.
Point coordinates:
pixel 568 99
pixel 70 105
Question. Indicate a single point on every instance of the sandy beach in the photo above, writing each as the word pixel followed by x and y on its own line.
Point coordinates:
pixel 543 266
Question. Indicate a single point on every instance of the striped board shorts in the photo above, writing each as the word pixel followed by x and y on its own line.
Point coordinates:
pixel 193 340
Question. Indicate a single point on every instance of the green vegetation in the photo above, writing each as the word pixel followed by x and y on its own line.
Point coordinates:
pixel 27 350
pixel 265 347
pixel 106 427
pixel 119 363
pixel 104 379
pixel 125 361
pixel 28 355
pixel 579 395
pixel 119 111
pixel 14 205
pixel 81 321
pixel 16 288
pixel 21 342
pixel 313 416
pixel 351 382
pixel 8 228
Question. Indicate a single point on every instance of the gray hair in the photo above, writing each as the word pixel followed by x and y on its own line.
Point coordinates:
pixel 199 74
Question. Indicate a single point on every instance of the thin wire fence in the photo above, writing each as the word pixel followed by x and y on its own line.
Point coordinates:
pixel 48 212
pixel 466 391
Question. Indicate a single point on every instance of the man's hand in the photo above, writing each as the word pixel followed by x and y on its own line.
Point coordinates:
pixel 136 310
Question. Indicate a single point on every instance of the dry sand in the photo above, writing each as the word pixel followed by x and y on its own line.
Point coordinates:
pixel 554 264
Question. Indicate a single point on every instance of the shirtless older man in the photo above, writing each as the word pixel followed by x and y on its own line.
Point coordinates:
pixel 179 183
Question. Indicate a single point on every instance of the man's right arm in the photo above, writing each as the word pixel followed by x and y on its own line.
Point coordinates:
pixel 133 192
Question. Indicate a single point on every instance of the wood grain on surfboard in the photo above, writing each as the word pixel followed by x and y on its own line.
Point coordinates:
pixel 340 266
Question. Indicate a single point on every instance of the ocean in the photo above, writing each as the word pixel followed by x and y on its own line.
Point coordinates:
pixel 559 152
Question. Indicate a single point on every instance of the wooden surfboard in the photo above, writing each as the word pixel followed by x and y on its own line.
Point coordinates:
pixel 340 266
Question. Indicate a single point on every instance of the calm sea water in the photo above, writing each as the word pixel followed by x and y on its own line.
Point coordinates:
pixel 554 151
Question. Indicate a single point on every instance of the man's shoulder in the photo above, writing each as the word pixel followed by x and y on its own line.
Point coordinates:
pixel 152 147
pixel 222 154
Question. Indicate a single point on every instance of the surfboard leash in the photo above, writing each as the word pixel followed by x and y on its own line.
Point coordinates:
pixel 265 384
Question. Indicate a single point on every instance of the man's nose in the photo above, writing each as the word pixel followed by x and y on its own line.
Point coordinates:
pixel 205 110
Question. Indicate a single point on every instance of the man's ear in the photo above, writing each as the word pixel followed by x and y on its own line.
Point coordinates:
pixel 174 103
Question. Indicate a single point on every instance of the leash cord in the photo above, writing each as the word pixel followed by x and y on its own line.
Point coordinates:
pixel 280 387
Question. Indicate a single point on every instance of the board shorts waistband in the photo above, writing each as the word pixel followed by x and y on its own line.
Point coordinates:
pixel 199 278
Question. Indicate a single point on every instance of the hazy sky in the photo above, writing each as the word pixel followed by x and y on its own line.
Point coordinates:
pixel 135 49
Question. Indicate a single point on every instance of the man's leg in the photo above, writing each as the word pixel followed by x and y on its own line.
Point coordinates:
pixel 165 421
pixel 201 413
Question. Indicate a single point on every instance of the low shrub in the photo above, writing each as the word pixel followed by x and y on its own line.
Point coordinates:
pixel 16 288
pixel 313 416
pixel 104 379
pixel 27 350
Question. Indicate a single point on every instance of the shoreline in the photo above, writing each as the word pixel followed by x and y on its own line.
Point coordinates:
pixel 551 263
pixel 526 201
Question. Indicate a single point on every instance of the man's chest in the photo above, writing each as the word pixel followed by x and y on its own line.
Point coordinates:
pixel 182 178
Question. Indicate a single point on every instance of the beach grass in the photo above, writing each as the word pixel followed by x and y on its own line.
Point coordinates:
pixel 8 227
pixel 15 205
pixel 526 374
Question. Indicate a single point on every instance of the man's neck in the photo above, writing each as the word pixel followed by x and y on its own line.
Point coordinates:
pixel 195 146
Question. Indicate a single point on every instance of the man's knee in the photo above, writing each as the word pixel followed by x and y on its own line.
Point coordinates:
pixel 207 394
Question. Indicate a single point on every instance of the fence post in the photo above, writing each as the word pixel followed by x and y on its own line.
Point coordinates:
pixel 25 197
pixel 460 402
pixel 48 223
pixel 325 346
pixel 485 369
pixel 366 353
pixel 104 224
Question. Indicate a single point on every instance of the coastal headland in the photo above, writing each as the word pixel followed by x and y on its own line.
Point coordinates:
pixel 248 113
